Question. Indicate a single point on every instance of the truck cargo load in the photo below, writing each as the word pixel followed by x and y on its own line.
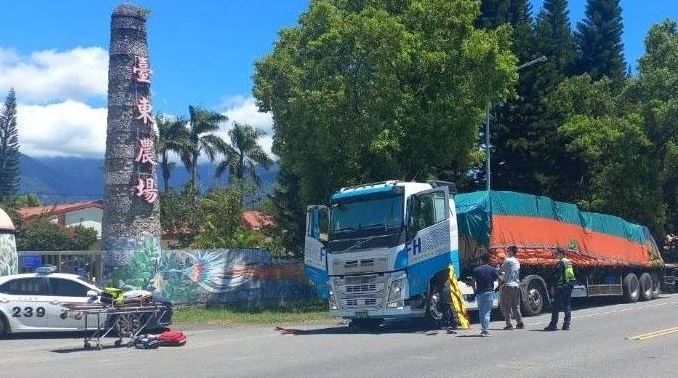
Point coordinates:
pixel 494 220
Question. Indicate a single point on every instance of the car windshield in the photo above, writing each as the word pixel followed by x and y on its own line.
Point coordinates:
pixel 381 212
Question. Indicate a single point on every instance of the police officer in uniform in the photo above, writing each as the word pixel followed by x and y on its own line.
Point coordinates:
pixel 563 291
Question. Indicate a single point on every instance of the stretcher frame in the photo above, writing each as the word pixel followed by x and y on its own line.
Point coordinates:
pixel 103 313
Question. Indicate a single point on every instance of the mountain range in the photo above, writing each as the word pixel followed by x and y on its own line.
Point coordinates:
pixel 72 179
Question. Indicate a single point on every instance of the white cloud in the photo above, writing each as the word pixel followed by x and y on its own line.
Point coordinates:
pixel 243 109
pixel 69 128
pixel 49 75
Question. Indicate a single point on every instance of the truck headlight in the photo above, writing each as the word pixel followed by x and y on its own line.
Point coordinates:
pixel 333 301
pixel 395 294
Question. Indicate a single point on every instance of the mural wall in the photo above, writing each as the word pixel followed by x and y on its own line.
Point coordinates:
pixel 244 277
pixel 9 260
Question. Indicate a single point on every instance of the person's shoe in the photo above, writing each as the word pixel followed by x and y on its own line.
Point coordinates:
pixel 520 326
pixel 551 328
pixel 566 328
pixel 508 327
pixel 485 334
pixel 451 331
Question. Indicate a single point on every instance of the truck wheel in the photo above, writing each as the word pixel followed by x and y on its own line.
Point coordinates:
pixel 646 287
pixel 438 305
pixel 631 288
pixel 533 304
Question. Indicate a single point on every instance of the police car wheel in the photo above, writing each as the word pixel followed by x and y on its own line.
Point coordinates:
pixel 4 328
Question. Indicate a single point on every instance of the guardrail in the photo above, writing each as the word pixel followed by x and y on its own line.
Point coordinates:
pixel 83 263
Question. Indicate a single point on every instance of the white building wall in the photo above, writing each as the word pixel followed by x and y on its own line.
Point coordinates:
pixel 89 217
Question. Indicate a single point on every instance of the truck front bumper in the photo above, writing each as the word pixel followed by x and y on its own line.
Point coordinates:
pixel 380 313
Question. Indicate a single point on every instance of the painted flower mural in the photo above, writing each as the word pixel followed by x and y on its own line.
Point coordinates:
pixel 9 261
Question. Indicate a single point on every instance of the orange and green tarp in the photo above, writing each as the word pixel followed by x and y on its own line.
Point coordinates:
pixel 494 220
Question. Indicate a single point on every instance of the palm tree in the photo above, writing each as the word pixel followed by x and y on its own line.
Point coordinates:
pixel 172 137
pixel 202 124
pixel 244 153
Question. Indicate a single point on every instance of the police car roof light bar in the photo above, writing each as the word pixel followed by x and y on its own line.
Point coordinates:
pixel 45 269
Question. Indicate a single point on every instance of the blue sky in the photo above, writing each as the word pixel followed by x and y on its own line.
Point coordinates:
pixel 54 53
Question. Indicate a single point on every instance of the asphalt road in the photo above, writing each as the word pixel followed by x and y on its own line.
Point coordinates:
pixel 609 340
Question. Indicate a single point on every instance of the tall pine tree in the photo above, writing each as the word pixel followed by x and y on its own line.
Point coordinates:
pixel 9 149
pixel 493 13
pixel 599 46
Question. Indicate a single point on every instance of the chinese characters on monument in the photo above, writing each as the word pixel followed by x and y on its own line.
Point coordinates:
pixel 146 187
pixel 142 70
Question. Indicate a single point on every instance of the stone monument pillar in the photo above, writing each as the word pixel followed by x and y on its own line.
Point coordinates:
pixel 131 221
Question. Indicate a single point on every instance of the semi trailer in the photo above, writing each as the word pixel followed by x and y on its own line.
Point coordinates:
pixel 384 250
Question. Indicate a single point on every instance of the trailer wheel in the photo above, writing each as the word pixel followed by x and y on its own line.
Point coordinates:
pixel 533 304
pixel 656 285
pixel 646 287
pixel 631 288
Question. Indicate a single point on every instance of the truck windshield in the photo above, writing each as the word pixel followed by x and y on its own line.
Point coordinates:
pixel 373 213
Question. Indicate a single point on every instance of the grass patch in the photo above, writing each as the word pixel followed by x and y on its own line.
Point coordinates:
pixel 292 313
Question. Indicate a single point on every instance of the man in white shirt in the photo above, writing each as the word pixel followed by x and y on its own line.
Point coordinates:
pixel 510 290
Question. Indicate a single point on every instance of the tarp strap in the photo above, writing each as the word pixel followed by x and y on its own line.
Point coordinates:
pixel 458 301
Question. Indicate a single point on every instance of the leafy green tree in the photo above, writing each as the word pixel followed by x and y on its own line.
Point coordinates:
pixel 202 140
pixel 9 148
pixel 27 200
pixel 172 137
pixel 493 13
pixel 179 215
pixel 370 90
pixel 289 212
pixel 515 122
pixel 220 217
pixel 555 40
pixel 43 235
pixel 599 44
pixel 653 94
pixel 622 181
pixel 243 154
pixel 536 162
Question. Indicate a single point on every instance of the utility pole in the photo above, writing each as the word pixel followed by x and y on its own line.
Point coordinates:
pixel 488 169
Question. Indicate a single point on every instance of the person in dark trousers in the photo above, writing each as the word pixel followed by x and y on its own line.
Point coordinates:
pixel 510 289
pixel 484 276
pixel 562 294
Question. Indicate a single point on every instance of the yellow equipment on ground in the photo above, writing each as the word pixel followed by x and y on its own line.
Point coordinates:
pixel 458 301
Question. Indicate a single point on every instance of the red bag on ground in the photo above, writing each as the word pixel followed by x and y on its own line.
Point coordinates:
pixel 172 338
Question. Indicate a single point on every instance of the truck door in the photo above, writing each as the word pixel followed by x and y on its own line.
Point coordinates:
pixel 315 253
pixel 430 245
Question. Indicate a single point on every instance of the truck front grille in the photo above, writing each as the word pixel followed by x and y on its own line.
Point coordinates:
pixel 360 302
pixel 361 289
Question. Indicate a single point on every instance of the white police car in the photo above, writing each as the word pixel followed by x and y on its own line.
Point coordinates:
pixel 32 302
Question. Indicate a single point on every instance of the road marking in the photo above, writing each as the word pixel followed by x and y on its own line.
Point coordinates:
pixel 611 312
pixel 649 335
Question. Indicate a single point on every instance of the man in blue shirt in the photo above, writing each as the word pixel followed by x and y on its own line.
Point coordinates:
pixel 485 276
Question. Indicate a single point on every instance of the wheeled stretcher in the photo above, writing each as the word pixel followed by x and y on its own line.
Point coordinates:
pixel 125 321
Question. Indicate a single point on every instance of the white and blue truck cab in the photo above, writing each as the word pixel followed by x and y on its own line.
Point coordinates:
pixel 382 251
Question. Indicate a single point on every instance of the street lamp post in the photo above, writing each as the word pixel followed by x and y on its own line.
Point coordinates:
pixel 488 177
